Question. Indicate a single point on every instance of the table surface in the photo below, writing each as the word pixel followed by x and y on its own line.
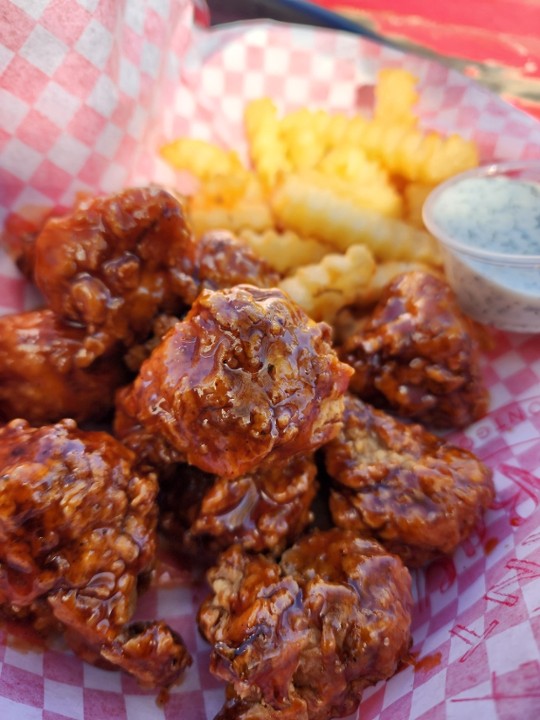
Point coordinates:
pixel 495 41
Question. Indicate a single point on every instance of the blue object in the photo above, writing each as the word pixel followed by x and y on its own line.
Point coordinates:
pixel 310 13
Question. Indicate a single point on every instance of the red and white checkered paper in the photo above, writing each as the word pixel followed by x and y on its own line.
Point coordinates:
pixel 89 89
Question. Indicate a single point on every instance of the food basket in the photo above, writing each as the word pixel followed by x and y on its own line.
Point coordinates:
pixel 89 91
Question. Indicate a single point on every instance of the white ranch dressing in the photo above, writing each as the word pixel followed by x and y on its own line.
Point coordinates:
pixel 492 259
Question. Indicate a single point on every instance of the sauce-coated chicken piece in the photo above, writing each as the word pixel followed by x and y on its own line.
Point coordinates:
pixel 245 379
pixel 115 262
pixel 221 261
pixel 40 379
pixel 236 709
pixel 308 634
pixel 263 511
pixel 20 234
pixel 417 354
pixel 139 352
pixel 415 493
pixel 77 532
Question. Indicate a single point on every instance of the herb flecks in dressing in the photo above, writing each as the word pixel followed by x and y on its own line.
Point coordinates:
pixel 499 215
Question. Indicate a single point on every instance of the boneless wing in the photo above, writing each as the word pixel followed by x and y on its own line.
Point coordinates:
pixel 417 494
pixel 221 260
pixel 303 637
pixel 418 354
pixel 218 260
pixel 20 233
pixel 115 262
pixel 264 511
pixel 40 379
pixel 245 379
pixel 77 533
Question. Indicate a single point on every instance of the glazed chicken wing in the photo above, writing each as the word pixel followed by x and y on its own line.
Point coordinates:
pixel 77 531
pixel 246 378
pixel 40 379
pixel 303 637
pixel 20 234
pixel 222 261
pixel 417 494
pixel 264 511
pixel 115 262
pixel 417 354
pixel 219 261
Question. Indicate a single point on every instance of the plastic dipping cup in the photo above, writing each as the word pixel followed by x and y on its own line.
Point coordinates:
pixel 487 221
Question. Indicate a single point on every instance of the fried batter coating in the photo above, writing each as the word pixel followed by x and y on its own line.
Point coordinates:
pixel 20 234
pixel 245 379
pixel 114 263
pixel 136 354
pixel 263 511
pixel 40 380
pixel 219 260
pixel 77 532
pixel 415 493
pixel 222 261
pixel 311 632
pixel 417 354
pixel 236 709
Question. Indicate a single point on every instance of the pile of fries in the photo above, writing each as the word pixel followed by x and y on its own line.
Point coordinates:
pixel 332 201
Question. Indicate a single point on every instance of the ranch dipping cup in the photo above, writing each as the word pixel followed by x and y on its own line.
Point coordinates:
pixel 487 221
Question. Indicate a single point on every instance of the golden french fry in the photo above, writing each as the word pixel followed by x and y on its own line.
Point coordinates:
pixel 322 289
pixel 235 219
pixel 316 211
pixel 334 129
pixel 406 151
pixel 267 149
pixel 203 159
pixel 425 157
pixel 301 132
pixel 395 97
pixel 349 172
pixel 230 202
pixel 226 190
pixel 351 163
pixel 284 251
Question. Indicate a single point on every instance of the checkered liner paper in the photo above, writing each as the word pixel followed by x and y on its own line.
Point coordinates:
pixel 89 89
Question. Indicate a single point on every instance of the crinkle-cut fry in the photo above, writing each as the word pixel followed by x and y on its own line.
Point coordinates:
pixel 267 149
pixel 234 219
pixel 411 153
pixel 316 211
pixel 203 159
pixel 227 190
pixel 454 155
pixel 232 203
pixel 351 163
pixel 349 172
pixel 426 157
pixel 285 251
pixel 310 134
pixel 395 97
pixel 381 198
pixel 302 132
pixel 335 129
pixel 322 289
pixel 415 194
